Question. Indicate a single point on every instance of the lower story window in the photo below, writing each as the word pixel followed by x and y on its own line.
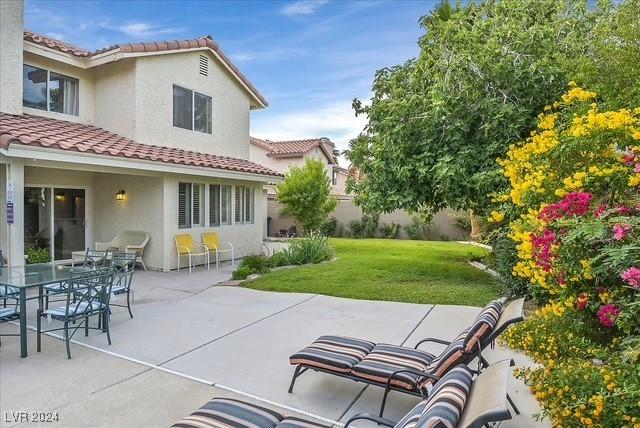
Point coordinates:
pixel 244 204
pixel 219 204
pixel 190 205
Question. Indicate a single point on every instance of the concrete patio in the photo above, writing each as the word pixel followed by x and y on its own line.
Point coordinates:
pixel 191 340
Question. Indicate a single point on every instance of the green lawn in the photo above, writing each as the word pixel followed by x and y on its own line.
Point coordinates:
pixel 383 269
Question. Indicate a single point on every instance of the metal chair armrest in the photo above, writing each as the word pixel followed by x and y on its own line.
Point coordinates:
pixel 377 419
pixel 179 247
pixel 414 371
pixel 432 339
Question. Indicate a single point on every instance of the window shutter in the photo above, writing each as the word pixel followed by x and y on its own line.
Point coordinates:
pixel 225 205
pixel 197 205
pixel 184 205
pixel 214 205
pixel 248 205
pixel 238 205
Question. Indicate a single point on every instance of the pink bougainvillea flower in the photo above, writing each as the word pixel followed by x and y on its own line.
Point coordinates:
pixel 628 159
pixel 620 231
pixel 542 248
pixel 608 314
pixel 632 277
pixel 573 204
pixel 582 301
pixel 602 208
pixel 637 169
pixel 622 210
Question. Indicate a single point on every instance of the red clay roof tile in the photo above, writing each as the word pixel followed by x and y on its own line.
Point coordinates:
pixel 45 132
pixel 291 147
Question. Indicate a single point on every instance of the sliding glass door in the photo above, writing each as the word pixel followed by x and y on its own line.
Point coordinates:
pixel 54 221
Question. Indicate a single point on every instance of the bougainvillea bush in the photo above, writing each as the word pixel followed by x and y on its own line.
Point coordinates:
pixel 572 209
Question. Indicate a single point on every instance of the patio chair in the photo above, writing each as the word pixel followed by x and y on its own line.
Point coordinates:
pixel 93 259
pixel 457 401
pixel 185 246
pixel 124 264
pixel 9 313
pixel 404 369
pixel 130 241
pixel 211 240
pixel 88 295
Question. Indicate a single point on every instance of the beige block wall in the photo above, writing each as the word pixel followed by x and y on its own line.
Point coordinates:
pixel 246 238
pixel 155 77
pixel 11 45
pixel 86 90
pixel 443 226
pixel 141 210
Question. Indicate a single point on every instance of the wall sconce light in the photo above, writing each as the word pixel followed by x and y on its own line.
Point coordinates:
pixel 60 196
pixel 120 195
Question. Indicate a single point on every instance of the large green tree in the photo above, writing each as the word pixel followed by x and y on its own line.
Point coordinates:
pixel 437 123
pixel 305 194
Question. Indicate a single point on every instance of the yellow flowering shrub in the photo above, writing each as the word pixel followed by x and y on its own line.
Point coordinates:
pixel 578 382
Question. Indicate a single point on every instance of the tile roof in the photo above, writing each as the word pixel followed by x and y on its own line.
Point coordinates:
pixel 50 133
pixel 202 42
pixel 292 147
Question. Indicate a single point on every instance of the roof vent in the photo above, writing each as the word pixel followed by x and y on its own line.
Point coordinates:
pixel 204 65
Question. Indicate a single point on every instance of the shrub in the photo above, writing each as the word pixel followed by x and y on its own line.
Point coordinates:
pixel 252 265
pixel 329 227
pixel 581 380
pixel 305 194
pixel 417 229
pixel 390 231
pixel 37 255
pixel 312 249
pixel 370 225
pixel 356 229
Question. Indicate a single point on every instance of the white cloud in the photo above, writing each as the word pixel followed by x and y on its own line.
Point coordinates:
pixel 143 29
pixel 55 35
pixel 302 7
pixel 336 121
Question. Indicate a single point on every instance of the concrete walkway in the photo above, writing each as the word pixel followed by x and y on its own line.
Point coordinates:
pixel 190 341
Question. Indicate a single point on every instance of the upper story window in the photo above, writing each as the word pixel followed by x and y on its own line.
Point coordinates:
pixel 190 205
pixel 191 110
pixel 334 178
pixel 49 91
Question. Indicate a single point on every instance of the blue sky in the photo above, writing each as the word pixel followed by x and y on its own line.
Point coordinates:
pixel 309 58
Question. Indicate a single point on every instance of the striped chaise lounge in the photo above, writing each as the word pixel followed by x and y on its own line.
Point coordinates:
pixel 404 369
pixel 456 400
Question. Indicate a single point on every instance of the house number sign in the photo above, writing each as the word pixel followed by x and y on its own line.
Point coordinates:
pixel 10 210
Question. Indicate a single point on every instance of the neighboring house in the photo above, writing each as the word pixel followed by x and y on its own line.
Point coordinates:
pixel 142 136
pixel 282 155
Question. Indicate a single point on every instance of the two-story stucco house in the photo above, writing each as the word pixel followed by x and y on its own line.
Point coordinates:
pixel 144 136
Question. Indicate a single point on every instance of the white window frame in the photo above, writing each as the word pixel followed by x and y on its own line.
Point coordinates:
pixel 203 204
pixel 193 109
pixel 48 109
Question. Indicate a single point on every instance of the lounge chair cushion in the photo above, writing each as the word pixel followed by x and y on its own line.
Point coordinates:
pixel 452 355
pixel 225 412
pixel 334 353
pixel 411 419
pixel 385 359
pixel 483 325
pixel 447 399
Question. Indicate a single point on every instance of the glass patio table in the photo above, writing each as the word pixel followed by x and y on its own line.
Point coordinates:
pixel 31 276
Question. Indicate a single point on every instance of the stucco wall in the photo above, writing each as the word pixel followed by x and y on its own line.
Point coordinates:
pixel 114 90
pixel 85 96
pixel 246 238
pixel 11 25
pixel 141 210
pixel 443 226
pixel 155 77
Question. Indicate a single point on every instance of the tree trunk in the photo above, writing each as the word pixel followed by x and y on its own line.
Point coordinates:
pixel 476 227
